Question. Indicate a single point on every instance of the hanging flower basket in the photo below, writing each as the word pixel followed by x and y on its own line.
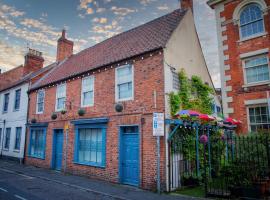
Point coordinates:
pixel 34 120
pixel 81 112
pixel 54 116
pixel 64 111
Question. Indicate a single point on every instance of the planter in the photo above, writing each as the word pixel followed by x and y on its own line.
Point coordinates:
pixel 34 120
pixel 81 112
pixel 63 112
pixel 190 181
pixel 54 116
pixel 245 191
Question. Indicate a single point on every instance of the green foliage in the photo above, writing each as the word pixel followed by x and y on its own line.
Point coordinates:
pixel 193 94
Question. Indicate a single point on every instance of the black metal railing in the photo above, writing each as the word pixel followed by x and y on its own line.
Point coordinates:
pixel 227 165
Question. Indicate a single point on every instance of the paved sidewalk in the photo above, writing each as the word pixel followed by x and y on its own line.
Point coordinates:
pixel 59 181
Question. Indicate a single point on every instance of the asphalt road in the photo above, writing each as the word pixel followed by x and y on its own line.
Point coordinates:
pixel 19 182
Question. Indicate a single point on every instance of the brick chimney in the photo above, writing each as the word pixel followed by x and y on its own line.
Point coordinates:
pixel 33 61
pixel 186 4
pixel 64 47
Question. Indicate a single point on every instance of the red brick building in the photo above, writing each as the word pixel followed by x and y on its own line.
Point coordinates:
pixel 92 114
pixel 243 28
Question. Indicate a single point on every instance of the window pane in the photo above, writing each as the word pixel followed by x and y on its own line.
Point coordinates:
pixel 125 90
pixel 61 103
pixel 6 100
pixel 251 20
pixel 18 138
pixel 37 142
pixel 88 98
pixel 257 69
pixel 259 119
pixel 90 146
pixel 7 139
pixel 17 99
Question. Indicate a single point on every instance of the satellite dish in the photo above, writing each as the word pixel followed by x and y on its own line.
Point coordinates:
pixel 118 107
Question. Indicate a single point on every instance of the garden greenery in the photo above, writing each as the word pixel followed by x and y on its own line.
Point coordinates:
pixel 193 94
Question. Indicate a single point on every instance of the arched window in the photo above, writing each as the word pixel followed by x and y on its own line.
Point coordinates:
pixel 251 20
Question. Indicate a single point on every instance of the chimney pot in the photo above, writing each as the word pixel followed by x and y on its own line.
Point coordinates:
pixel 64 47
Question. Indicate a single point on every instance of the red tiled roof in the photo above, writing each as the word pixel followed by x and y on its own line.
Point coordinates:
pixel 145 38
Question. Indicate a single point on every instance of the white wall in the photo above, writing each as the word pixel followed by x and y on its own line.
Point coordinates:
pixel 14 119
pixel 183 50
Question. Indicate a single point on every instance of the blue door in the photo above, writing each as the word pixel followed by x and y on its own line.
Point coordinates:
pixel 57 150
pixel 129 155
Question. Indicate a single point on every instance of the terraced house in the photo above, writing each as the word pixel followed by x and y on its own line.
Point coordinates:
pixel 243 33
pixel 92 113
pixel 14 86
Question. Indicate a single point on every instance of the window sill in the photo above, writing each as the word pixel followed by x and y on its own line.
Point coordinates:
pixel 89 164
pixel 127 99
pixel 4 112
pixel 16 110
pixel 39 113
pixel 256 84
pixel 87 106
pixel 4 149
pixel 37 157
pixel 252 37
pixel 16 151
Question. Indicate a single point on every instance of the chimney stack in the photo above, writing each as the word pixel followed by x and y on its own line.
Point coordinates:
pixel 64 47
pixel 33 61
pixel 186 4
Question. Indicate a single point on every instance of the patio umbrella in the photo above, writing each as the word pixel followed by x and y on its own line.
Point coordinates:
pixel 232 121
pixel 206 117
pixel 187 113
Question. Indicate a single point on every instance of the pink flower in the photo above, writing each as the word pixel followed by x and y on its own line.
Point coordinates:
pixel 204 139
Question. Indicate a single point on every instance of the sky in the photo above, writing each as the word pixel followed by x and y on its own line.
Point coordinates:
pixel 38 23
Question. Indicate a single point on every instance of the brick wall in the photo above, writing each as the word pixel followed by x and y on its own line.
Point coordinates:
pixel 235 75
pixel 148 76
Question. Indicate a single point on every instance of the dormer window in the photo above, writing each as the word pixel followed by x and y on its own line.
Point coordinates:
pixel 251 21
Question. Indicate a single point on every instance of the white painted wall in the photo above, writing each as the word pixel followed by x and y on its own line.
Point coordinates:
pixel 183 50
pixel 14 119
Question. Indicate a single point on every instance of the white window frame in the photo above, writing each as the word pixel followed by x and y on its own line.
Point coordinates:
pixel 237 12
pixel 37 112
pixel 244 69
pixel 117 99
pixel 87 90
pixel 57 97
pixel 247 111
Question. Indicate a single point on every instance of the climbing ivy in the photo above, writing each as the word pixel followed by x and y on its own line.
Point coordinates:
pixel 193 94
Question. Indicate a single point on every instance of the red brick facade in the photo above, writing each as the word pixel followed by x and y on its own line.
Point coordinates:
pixel 148 76
pixel 232 48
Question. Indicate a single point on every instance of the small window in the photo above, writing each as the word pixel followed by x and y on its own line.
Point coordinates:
pixel 259 119
pixel 60 97
pixel 37 143
pixel 7 138
pixel 87 96
pixel 0 136
pixel 124 83
pixel 40 101
pixel 6 100
pixel 17 99
pixel 257 69
pixel 176 83
pixel 18 138
pixel 251 21
pixel 90 146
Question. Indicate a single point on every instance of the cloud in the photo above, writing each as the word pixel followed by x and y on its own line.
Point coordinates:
pixel 163 7
pixel 101 20
pixel 103 31
pixel 84 4
pixel 89 11
pixel 11 11
pixel 101 10
pixel 121 11
pixel 146 2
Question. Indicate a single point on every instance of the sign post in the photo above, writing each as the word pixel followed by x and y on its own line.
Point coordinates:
pixel 158 130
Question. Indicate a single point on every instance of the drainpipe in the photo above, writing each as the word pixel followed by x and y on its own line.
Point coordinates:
pixel 2 141
pixel 22 160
